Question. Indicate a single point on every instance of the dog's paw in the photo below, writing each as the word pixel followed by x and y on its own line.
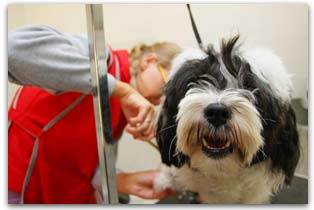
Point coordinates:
pixel 164 179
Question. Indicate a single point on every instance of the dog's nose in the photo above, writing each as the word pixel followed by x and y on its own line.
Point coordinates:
pixel 217 114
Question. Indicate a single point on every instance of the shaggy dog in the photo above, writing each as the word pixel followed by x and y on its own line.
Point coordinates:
pixel 227 130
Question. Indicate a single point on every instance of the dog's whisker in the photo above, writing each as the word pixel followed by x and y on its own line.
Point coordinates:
pixel 169 151
pixel 261 150
pixel 263 120
pixel 176 152
pixel 271 120
pixel 164 129
pixel 255 90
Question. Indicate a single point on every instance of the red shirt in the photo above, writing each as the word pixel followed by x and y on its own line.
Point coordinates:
pixel 67 155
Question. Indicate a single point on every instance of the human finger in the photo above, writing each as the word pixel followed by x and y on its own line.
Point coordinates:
pixel 132 130
pixel 139 135
pixel 144 112
pixel 148 124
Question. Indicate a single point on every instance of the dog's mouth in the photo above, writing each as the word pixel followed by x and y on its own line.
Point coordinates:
pixel 216 147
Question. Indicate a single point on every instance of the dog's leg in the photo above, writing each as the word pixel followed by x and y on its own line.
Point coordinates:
pixel 165 179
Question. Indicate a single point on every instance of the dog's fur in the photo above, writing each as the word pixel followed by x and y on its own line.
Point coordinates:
pixel 256 89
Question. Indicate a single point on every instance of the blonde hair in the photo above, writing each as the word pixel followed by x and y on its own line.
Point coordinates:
pixel 165 52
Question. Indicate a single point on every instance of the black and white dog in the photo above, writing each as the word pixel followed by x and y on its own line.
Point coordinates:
pixel 227 130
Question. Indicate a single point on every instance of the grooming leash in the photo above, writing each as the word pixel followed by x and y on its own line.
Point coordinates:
pixel 197 36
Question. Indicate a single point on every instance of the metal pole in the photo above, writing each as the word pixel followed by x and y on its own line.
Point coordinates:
pixel 99 71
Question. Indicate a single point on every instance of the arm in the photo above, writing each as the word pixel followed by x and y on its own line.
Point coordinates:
pixel 42 56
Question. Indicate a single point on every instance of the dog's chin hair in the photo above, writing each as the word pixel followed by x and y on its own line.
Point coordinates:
pixel 243 129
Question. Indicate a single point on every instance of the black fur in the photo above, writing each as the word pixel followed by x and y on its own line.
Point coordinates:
pixel 279 123
pixel 231 62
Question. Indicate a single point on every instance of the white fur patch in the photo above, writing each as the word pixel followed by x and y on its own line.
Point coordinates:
pixel 264 63
pixel 187 54
pixel 226 182
pixel 269 68
pixel 164 179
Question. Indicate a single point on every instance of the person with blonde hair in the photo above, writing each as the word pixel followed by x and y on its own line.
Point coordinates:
pixel 53 110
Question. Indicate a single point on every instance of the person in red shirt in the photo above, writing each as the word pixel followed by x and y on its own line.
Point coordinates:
pixel 52 114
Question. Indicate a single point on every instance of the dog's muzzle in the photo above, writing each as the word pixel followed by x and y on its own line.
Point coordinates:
pixel 215 144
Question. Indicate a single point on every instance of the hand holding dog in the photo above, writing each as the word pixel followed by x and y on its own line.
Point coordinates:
pixel 141 184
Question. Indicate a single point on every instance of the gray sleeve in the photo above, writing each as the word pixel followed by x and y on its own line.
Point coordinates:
pixel 41 56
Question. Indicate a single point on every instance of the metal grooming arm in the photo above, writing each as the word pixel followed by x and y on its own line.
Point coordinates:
pixel 99 71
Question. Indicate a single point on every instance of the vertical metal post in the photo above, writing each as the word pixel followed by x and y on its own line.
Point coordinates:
pixel 99 71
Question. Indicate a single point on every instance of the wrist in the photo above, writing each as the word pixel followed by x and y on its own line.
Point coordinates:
pixel 122 183
pixel 121 90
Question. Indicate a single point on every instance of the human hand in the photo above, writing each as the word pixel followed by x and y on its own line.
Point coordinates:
pixel 139 112
pixel 141 184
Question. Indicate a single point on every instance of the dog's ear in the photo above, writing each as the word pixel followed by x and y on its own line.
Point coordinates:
pixel 166 135
pixel 279 126
pixel 286 152
pixel 166 129
pixel 280 135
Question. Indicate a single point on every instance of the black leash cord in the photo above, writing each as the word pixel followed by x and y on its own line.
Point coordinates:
pixel 198 38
